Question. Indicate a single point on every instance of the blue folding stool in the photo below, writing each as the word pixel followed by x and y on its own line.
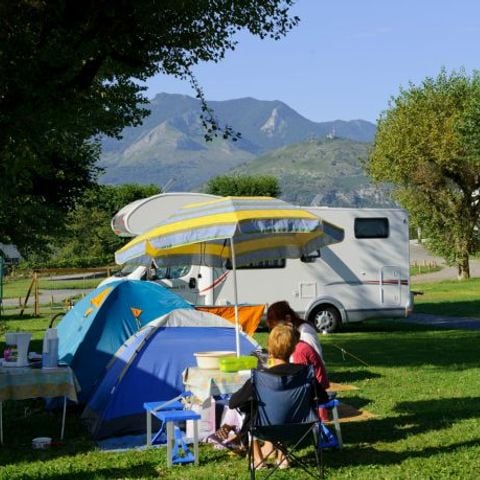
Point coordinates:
pixel 177 449
pixel 326 437
pixel 170 413
pixel 152 409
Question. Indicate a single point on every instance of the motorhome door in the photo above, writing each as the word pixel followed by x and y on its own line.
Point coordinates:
pixel 390 285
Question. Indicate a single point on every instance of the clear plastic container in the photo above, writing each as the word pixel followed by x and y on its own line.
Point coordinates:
pixel 233 364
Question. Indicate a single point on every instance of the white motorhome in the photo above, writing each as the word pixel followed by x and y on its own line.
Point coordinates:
pixel 365 276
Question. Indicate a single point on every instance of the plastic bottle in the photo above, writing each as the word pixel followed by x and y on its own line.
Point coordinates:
pixel 53 351
pixel 50 348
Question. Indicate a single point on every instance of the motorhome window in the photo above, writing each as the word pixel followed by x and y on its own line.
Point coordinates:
pixel 163 272
pixel 126 270
pixel 179 271
pixel 265 264
pixel 371 228
pixel 170 273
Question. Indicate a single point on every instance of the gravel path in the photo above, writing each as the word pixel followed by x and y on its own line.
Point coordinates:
pixel 419 254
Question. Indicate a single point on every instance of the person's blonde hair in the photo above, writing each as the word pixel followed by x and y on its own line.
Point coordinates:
pixel 282 341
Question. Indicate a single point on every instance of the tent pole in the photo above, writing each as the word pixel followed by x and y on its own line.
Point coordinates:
pixel 235 298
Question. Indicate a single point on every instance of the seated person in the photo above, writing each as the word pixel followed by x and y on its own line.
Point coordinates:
pixel 281 345
pixel 308 351
pixel 304 354
pixel 282 312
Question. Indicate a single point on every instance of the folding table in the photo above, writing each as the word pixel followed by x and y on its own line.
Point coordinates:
pixel 20 383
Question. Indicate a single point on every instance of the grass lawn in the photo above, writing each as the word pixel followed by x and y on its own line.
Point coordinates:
pixel 451 298
pixel 421 269
pixel 422 384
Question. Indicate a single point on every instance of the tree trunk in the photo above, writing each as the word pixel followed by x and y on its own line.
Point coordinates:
pixel 463 267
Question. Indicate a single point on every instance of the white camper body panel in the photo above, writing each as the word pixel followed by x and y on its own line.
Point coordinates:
pixel 353 280
pixel 141 215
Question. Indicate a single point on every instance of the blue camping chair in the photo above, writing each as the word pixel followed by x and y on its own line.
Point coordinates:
pixel 282 414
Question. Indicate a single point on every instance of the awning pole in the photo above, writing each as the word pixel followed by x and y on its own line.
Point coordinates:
pixel 235 298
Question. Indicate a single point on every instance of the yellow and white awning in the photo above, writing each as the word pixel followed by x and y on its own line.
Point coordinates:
pixel 261 228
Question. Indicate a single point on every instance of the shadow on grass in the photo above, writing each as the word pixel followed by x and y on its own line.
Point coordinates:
pixel 367 456
pixel 415 418
pixel 383 326
pixel 466 308
pixel 23 420
pixel 145 470
pixel 418 347
pixel 149 463
pixel 355 401
pixel 17 316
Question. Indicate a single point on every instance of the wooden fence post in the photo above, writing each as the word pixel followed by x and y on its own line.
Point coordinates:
pixel 28 295
pixel 37 299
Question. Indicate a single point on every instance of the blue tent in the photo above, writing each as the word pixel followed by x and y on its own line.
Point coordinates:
pixel 149 368
pixel 100 323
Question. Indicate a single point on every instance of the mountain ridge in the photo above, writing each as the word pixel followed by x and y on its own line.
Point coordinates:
pixel 326 172
pixel 171 145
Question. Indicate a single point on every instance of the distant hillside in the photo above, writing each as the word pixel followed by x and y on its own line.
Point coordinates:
pixel 170 144
pixel 322 172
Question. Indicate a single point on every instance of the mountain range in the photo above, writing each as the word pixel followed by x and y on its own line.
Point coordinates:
pixel 310 158
pixel 325 172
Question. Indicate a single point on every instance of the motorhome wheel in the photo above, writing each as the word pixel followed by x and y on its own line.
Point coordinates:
pixel 326 319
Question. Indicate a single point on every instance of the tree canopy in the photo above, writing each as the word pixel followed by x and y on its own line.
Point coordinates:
pixel 428 145
pixel 69 73
pixel 244 185
pixel 88 240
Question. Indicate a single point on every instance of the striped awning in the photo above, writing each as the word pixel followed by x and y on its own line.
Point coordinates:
pixel 262 228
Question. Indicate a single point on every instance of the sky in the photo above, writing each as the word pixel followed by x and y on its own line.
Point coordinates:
pixel 346 58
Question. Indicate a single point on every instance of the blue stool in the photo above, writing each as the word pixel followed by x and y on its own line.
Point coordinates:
pixel 153 408
pixel 177 448
pixel 327 439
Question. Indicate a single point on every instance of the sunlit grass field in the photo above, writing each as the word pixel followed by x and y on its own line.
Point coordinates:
pixel 423 386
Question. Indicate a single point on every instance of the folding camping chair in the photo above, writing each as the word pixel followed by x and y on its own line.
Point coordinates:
pixel 282 414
